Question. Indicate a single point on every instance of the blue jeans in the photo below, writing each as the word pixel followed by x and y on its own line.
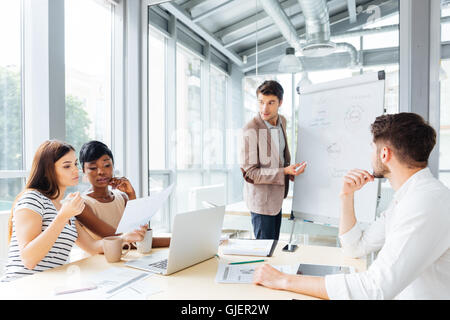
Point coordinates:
pixel 266 227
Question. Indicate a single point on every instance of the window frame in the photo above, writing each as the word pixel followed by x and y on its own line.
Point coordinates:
pixel 43 123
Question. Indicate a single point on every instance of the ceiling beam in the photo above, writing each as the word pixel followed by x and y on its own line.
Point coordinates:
pixel 351 4
pixel 189 5
pixel 260 16
pixel 339 60
pixel 181 15
pixel 207 13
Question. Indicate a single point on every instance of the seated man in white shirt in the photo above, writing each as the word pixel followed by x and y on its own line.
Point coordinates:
pixel 412 235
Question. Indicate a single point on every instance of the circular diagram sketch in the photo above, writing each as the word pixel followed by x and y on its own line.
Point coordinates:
pixel 353 117
pixel 334 150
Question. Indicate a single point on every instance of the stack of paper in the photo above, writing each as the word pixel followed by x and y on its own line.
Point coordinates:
pixel 249 247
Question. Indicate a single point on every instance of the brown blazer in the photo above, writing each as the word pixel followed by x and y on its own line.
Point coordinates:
pixel 265 184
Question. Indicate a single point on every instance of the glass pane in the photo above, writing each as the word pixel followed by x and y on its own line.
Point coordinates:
pixel 157 183
pixel 88 48
pixel 250 104
pixel 11 131
pixel 444 138
pixel 384 39
pixel 189 117
pixel 444 148
pixel 156 101
pixel 185 182
pixel 9 189
pixel 445 27
pixel 214 143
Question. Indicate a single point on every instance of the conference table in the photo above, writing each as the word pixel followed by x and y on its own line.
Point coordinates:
pixel 240 208
pixel 194 283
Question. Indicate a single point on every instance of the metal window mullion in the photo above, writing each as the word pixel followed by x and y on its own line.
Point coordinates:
pixel 117 88
pixel 171 114
pixel 133 130
pixel 145 100
pixel 22 81
pixel 205 109
pixel 419 63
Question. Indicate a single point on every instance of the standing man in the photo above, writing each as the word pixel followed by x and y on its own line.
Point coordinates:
pixel 265 162
pixel 412 235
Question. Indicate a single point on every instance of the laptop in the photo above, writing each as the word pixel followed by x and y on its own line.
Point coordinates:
pixel 195 238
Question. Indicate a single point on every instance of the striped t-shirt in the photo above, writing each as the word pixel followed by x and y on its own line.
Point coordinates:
pixel 58 254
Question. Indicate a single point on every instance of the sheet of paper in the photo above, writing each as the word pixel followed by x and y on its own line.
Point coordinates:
pixel 138 212
pixel 227 273
pixel 248 247
pixel 116 283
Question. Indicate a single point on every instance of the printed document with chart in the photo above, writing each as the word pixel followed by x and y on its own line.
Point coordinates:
pixel 227 273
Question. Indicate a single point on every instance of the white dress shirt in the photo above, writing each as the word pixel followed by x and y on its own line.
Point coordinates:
pixel 414 237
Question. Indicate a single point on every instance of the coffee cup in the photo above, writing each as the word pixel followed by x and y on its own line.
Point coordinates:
pixel 113 248
pixel 145 246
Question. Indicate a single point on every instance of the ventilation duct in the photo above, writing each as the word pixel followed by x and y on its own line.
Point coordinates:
pixel 279 17
pixel 317 25
pixel 344 46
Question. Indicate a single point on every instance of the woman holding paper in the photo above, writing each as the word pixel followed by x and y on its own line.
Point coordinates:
pixel 107 197
pixel 43 227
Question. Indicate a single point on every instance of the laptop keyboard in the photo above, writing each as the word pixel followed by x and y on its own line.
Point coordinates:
pixel 159 265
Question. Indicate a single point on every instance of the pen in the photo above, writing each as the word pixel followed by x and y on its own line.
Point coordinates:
pixel 243 262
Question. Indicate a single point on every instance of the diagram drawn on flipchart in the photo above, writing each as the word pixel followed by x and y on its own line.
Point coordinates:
pixel 353 117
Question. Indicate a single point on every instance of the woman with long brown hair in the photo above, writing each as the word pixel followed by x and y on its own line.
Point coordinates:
pixel 42 229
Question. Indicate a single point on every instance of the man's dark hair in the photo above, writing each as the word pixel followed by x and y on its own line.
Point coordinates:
pixel 93 150
pixel 271 87
pixel 408 134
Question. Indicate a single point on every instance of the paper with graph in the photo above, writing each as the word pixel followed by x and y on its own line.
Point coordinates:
pixel 227 273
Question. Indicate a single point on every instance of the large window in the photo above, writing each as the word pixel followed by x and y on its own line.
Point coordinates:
pixel 88 49
pixel 11 129
pixel 214 144
pixel 444 138
pixel 189 110
pixel 157 100
pixel 188 126
pixel 159 178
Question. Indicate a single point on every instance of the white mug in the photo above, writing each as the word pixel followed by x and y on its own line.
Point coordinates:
pixel 145 246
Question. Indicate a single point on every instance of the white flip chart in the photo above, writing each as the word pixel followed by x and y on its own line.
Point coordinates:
pixel 334 137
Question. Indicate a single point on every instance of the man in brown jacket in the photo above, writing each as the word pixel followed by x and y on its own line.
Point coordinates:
pixel 265 162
